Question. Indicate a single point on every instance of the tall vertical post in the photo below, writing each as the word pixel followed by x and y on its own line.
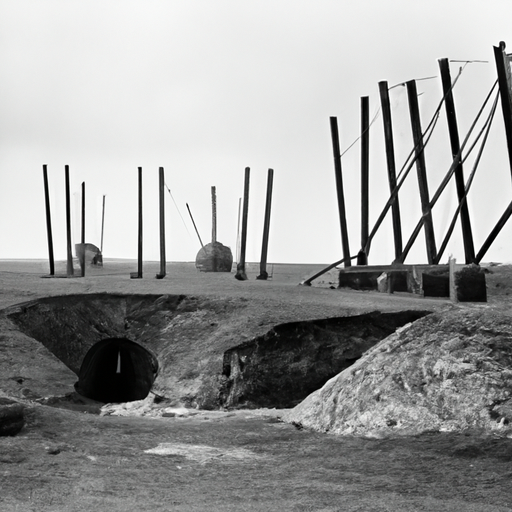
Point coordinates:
pixel 238 230
pixel 390 159
pixel 505 86
pixel 102 223
pixel 467 233
pixel 70 271
pixel 48 220
pixel 161 181
pixel 82 239
pixel 362 257
pixel 139 253
pixel 339 190
pixel 138 274
pixel 240 268
pixel 266 227
pixel 214 216
pixel 421 168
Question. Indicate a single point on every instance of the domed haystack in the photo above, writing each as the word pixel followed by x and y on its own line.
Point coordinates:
pixel 214 257
pixel 448 371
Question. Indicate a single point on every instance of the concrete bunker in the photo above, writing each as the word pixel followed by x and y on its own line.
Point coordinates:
pixel 117 370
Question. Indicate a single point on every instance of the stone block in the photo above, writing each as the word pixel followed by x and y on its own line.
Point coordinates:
pixel 470 284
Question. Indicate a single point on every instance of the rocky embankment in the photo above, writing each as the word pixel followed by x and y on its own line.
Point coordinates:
pixel 449 371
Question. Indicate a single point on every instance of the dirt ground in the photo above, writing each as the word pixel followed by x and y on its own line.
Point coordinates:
pixel 72 460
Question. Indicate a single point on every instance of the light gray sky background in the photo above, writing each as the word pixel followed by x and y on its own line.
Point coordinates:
pixel 206 88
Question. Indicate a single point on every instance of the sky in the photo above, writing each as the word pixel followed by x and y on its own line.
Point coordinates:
pixel 207 88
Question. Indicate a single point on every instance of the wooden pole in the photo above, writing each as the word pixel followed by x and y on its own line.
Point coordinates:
pixel 308 281
pixel 266 227
pixel 70 271
pixel 505 85
pixel 195 227
pixel 421 169
pixel 362 258
pixel 467 232
pixel 214 216
pixel 390 159
pixel 494 233
pixel 339 190
pixel 82 252
pixel 162 273
pixel 48 220
pixel 442 186
pixel 83 213
pixel 238 230
pixel 138 274
pixel 139 255
pixel 240 268
pixel 102 224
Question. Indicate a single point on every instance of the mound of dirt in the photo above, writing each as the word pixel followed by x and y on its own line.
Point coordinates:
pixel 449 371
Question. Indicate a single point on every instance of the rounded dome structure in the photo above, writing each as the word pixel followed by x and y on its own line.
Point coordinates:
pixel 214 257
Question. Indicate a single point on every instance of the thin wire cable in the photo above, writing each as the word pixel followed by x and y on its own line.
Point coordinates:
pixel 181 216
pixel 472 61
pixel 376 115
pixel 366 131
pixel 402 84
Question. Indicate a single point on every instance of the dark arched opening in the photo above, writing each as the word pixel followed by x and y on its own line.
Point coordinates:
pixel 117 370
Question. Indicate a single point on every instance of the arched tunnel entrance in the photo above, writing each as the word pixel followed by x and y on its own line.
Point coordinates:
pixel 117 370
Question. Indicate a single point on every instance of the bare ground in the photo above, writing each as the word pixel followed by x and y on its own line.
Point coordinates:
pixel 66 460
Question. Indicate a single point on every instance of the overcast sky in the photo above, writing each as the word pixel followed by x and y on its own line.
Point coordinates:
pixel 207 88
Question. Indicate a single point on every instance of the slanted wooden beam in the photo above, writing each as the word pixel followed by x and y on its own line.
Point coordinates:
pixel 505 86
pixel 195 227
pixel 390 159
pixel 421 169
pixel 339 190
pixel 443 184
pixel 494 233
pixel 467 232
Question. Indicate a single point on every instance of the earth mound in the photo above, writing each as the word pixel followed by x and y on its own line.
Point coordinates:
pixel 449 371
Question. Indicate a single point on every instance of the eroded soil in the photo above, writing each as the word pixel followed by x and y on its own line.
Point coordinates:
pixel 71 460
